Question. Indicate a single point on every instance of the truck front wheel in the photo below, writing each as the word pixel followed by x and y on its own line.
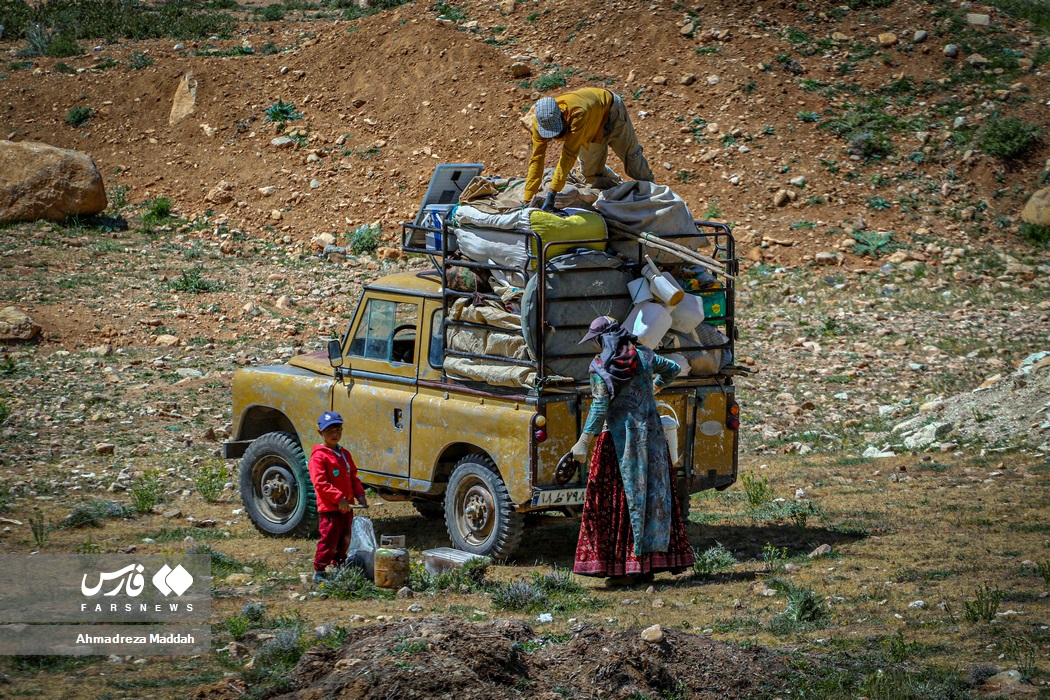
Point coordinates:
pixel 478 511
pixel 275 487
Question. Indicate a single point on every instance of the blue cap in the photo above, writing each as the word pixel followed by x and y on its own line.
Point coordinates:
pixel 328 419
pixel 549 122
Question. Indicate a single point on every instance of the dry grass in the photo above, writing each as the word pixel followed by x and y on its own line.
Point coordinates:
pixel 901 530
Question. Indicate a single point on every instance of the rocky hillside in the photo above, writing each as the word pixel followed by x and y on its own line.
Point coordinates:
pixel 817 127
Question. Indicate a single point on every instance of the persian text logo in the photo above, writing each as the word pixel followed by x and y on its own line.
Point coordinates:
pixel 130 577
pixel 166 580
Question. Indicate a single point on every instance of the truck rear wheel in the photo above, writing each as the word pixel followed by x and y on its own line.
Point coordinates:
pixel 276 489
pixel 478 511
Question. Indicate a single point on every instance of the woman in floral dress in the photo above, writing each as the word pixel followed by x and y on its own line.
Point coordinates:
pixel 631 526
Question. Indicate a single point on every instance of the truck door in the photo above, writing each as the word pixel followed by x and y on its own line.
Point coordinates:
pixel 376 404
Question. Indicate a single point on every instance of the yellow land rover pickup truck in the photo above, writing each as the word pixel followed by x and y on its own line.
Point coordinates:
pixel 481 456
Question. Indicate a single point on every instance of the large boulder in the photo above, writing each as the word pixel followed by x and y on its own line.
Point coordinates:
pixel 1037 211
pixel 38 181
pixel 16 325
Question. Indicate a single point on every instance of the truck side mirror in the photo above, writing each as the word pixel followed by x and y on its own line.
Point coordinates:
pixel 335 353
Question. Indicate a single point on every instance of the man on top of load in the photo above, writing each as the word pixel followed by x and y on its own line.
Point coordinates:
pixel 590 121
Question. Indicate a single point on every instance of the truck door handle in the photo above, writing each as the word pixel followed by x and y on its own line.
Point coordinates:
pixel 397 418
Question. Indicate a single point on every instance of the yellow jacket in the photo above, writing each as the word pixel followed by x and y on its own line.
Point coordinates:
pixel 585 112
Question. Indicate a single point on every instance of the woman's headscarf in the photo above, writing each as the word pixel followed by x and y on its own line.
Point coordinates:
pixel 617 362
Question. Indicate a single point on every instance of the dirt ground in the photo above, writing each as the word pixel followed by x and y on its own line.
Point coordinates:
pixel 953 301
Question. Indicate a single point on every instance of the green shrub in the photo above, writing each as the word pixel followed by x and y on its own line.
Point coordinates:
pixel 805 609
pixel 222 564
pixel 280 112
pixel 78 116
pixel 210 479
pixel 365 238
pixel 519 596
pixel 557 78
pixel 52 27
pixel 157 210
pixel 453 13
pixel 350 583
pixel 984 605
pixel 871 243
pixel 757 489
pixel 1033 233
pixel 4 412
pixel 191 281
pixel 40 526
pixel 878 203
pixel 49 41
pixel 807 116
pixel 94 514
pixel 139 60
pixel 273 13
pixel 712 560
pixel 146 492
pixel 65 68
pixel 1007 138
pixel 237 626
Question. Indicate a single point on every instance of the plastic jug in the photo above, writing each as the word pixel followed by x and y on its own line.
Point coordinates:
pixel 391 563
pixel 687 314
pixel 649 321
pixel 670 425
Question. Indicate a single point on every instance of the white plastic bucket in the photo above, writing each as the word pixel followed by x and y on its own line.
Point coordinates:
pixel 670 425
pixel 687 314
pixel 663 287
pixel 649 321
pixel 639 290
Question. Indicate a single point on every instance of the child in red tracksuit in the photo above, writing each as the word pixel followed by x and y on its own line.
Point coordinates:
pixel 334 475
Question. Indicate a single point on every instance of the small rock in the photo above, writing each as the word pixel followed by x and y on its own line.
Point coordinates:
pixel 236 650
pixel 291 550
pixel 951 50
pixel 405 592
pixel 797 181
pixel 919 37
pixel 887 40
pixel 189 373
pixel 314 184
pixel 16 325
pixel 267 190
pixel 821 551
pixel 687 79
pixel 284 302
pixel 920 604
pixel 167 341
pixel 828 257
pixel 976 60
pixel 415 608
pixel 520 69
pixel 238 579
pixel 105 448
pixel 178 47
pixel 978 20
pixel 839 36
pixel 282 142
pixel 780 198
pixel 653 635
pixel 713 80
pixel 172 513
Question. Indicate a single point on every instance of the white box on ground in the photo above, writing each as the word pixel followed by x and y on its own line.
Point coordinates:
pixel 438 561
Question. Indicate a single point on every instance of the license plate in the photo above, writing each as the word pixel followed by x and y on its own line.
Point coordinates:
pixel 558 497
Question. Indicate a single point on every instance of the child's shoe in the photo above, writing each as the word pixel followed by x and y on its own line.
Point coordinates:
pixel 319 576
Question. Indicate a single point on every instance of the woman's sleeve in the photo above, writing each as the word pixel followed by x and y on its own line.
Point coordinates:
pixel 599 406
pixel 666 371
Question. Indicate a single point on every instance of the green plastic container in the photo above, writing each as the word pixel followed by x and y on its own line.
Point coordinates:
pixel 714 306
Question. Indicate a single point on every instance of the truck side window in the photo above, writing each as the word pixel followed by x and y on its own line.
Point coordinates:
pixel 437 340
pixel 386 332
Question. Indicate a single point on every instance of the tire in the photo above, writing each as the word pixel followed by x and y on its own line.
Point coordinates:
pixel 479 514
pixel 276 489
pixel 430 509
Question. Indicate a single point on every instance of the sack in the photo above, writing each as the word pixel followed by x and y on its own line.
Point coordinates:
pixel 362 549
pixel 464 279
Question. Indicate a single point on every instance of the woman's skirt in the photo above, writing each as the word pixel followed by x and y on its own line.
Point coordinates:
pixel 606 544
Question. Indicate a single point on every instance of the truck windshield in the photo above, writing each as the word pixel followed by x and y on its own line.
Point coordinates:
pixel 381 322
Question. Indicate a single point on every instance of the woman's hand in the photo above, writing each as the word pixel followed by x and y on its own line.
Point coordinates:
pixel 582 448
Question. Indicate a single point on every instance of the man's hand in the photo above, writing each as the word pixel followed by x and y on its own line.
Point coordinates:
pixel 548 202
pixel 344 505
